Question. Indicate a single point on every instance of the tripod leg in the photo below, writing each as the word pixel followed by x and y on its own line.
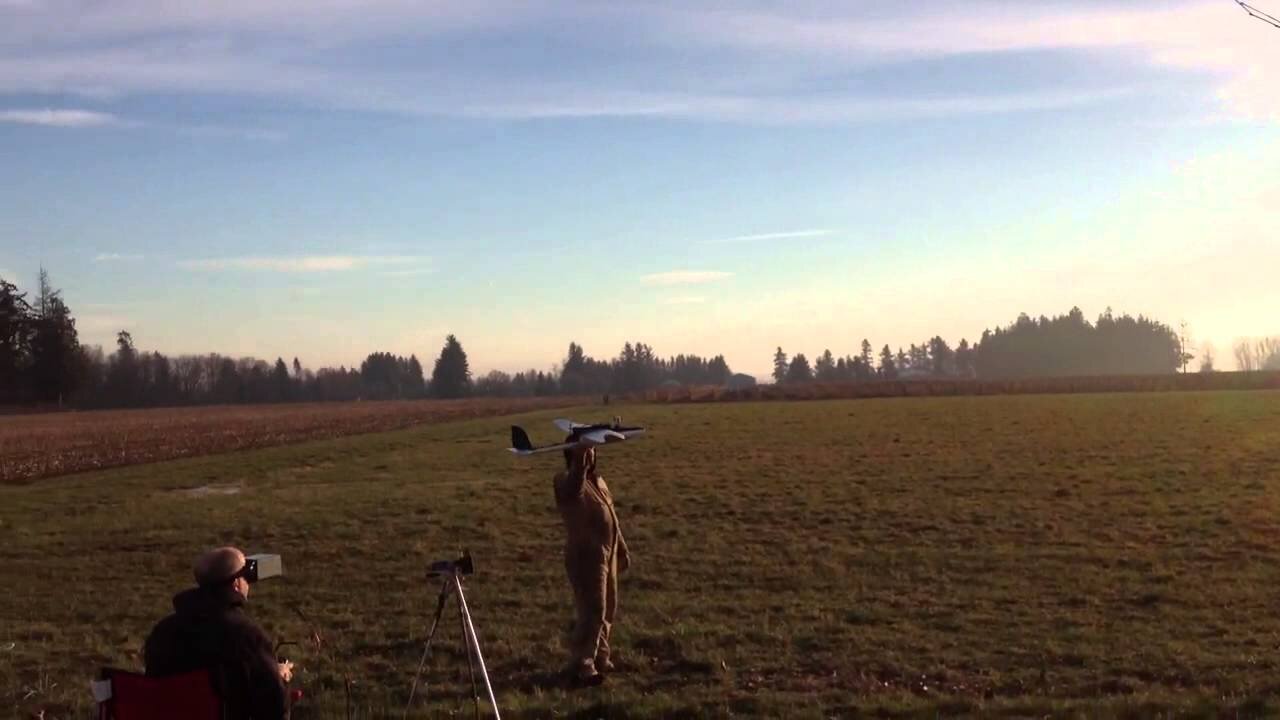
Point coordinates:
pixel 471 663
pixel 475 646
pixel 426 649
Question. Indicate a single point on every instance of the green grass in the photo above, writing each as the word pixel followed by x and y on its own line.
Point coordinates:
pixel 1071 556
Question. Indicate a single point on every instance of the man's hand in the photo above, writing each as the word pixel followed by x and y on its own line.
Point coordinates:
pixel 286 671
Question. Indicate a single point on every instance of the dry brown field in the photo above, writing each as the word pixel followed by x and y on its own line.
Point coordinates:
pixel 33 446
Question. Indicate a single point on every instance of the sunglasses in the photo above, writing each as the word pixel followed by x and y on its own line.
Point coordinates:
pixel 249 572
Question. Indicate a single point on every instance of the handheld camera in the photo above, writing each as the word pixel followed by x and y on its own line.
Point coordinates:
pixel 461 566
pixel 260 567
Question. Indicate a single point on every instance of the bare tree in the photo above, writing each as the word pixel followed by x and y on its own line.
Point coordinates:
pixel 1243 350
pixel 1269 353
pixel 1206 358
pixel 1258 354
pixel 1186 351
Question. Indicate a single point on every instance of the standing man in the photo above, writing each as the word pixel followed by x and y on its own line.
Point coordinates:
pixel 209 630
pixel 594 554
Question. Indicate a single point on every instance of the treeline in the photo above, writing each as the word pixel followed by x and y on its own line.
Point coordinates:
pixel 129 377
pixel 43 362
pixel 930 358
pixel 1062 346
pixel 132 378
pixel 636 368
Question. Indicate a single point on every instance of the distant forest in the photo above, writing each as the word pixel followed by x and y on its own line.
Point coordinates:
pixel 42 362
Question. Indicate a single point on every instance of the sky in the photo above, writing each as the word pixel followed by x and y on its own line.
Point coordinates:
pixel 327 178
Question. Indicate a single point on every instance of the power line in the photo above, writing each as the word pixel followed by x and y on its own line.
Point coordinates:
pixel 1255 12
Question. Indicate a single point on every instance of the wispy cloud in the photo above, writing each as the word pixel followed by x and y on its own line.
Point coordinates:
pixel 684 277
pixel 302 264
pixel 683 300
pixel 115 257
pixel 792 235
pixel 318 55
pixel 61 118
pixel 1200 36
pixel 408 273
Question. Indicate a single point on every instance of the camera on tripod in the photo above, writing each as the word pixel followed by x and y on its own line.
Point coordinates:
pixel 461 566
pixel 452 571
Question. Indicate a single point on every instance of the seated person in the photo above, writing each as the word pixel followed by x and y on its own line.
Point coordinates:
pixel 210 630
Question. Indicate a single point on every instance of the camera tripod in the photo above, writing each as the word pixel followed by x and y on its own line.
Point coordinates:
pixel 452 572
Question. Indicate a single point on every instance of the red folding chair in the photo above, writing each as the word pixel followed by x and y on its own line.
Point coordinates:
pixel 124 695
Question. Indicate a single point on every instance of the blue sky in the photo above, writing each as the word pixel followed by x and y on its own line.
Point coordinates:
pixel 328 179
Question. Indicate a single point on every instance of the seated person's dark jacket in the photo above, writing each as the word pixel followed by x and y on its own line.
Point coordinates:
pixel 209 630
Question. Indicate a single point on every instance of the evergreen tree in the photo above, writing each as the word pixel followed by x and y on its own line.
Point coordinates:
pixel 799 370
pixel 280 381
pixel 780 366
pixel 416 384
pixel 451 377
pixel 718 372
pixel 964 359
pixel 888 368
pixel 825 368
pixel 941 357
pixel 123 379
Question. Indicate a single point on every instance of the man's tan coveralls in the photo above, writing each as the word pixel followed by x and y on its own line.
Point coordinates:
pixel 594 554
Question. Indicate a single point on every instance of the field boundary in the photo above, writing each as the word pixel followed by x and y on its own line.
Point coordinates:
pixel 925 387
pixel 46 445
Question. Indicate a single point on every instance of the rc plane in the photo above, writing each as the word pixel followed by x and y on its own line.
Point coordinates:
pixel 588 435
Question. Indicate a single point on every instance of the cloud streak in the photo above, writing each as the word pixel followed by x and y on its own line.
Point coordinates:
pixel 792 235
pixel 80 119
pixel 115 257
pixel 302 264
pixel 61 118
pixel 684 277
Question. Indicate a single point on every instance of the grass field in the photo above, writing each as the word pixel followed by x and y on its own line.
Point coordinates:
pixel 1075 556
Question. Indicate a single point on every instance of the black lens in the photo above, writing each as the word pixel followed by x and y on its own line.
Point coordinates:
pixel 250 572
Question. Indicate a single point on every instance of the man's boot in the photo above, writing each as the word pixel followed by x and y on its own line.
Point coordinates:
pixel 585 673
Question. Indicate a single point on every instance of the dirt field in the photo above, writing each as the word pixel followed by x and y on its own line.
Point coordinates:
pixel 1067 556
pixel 42 445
